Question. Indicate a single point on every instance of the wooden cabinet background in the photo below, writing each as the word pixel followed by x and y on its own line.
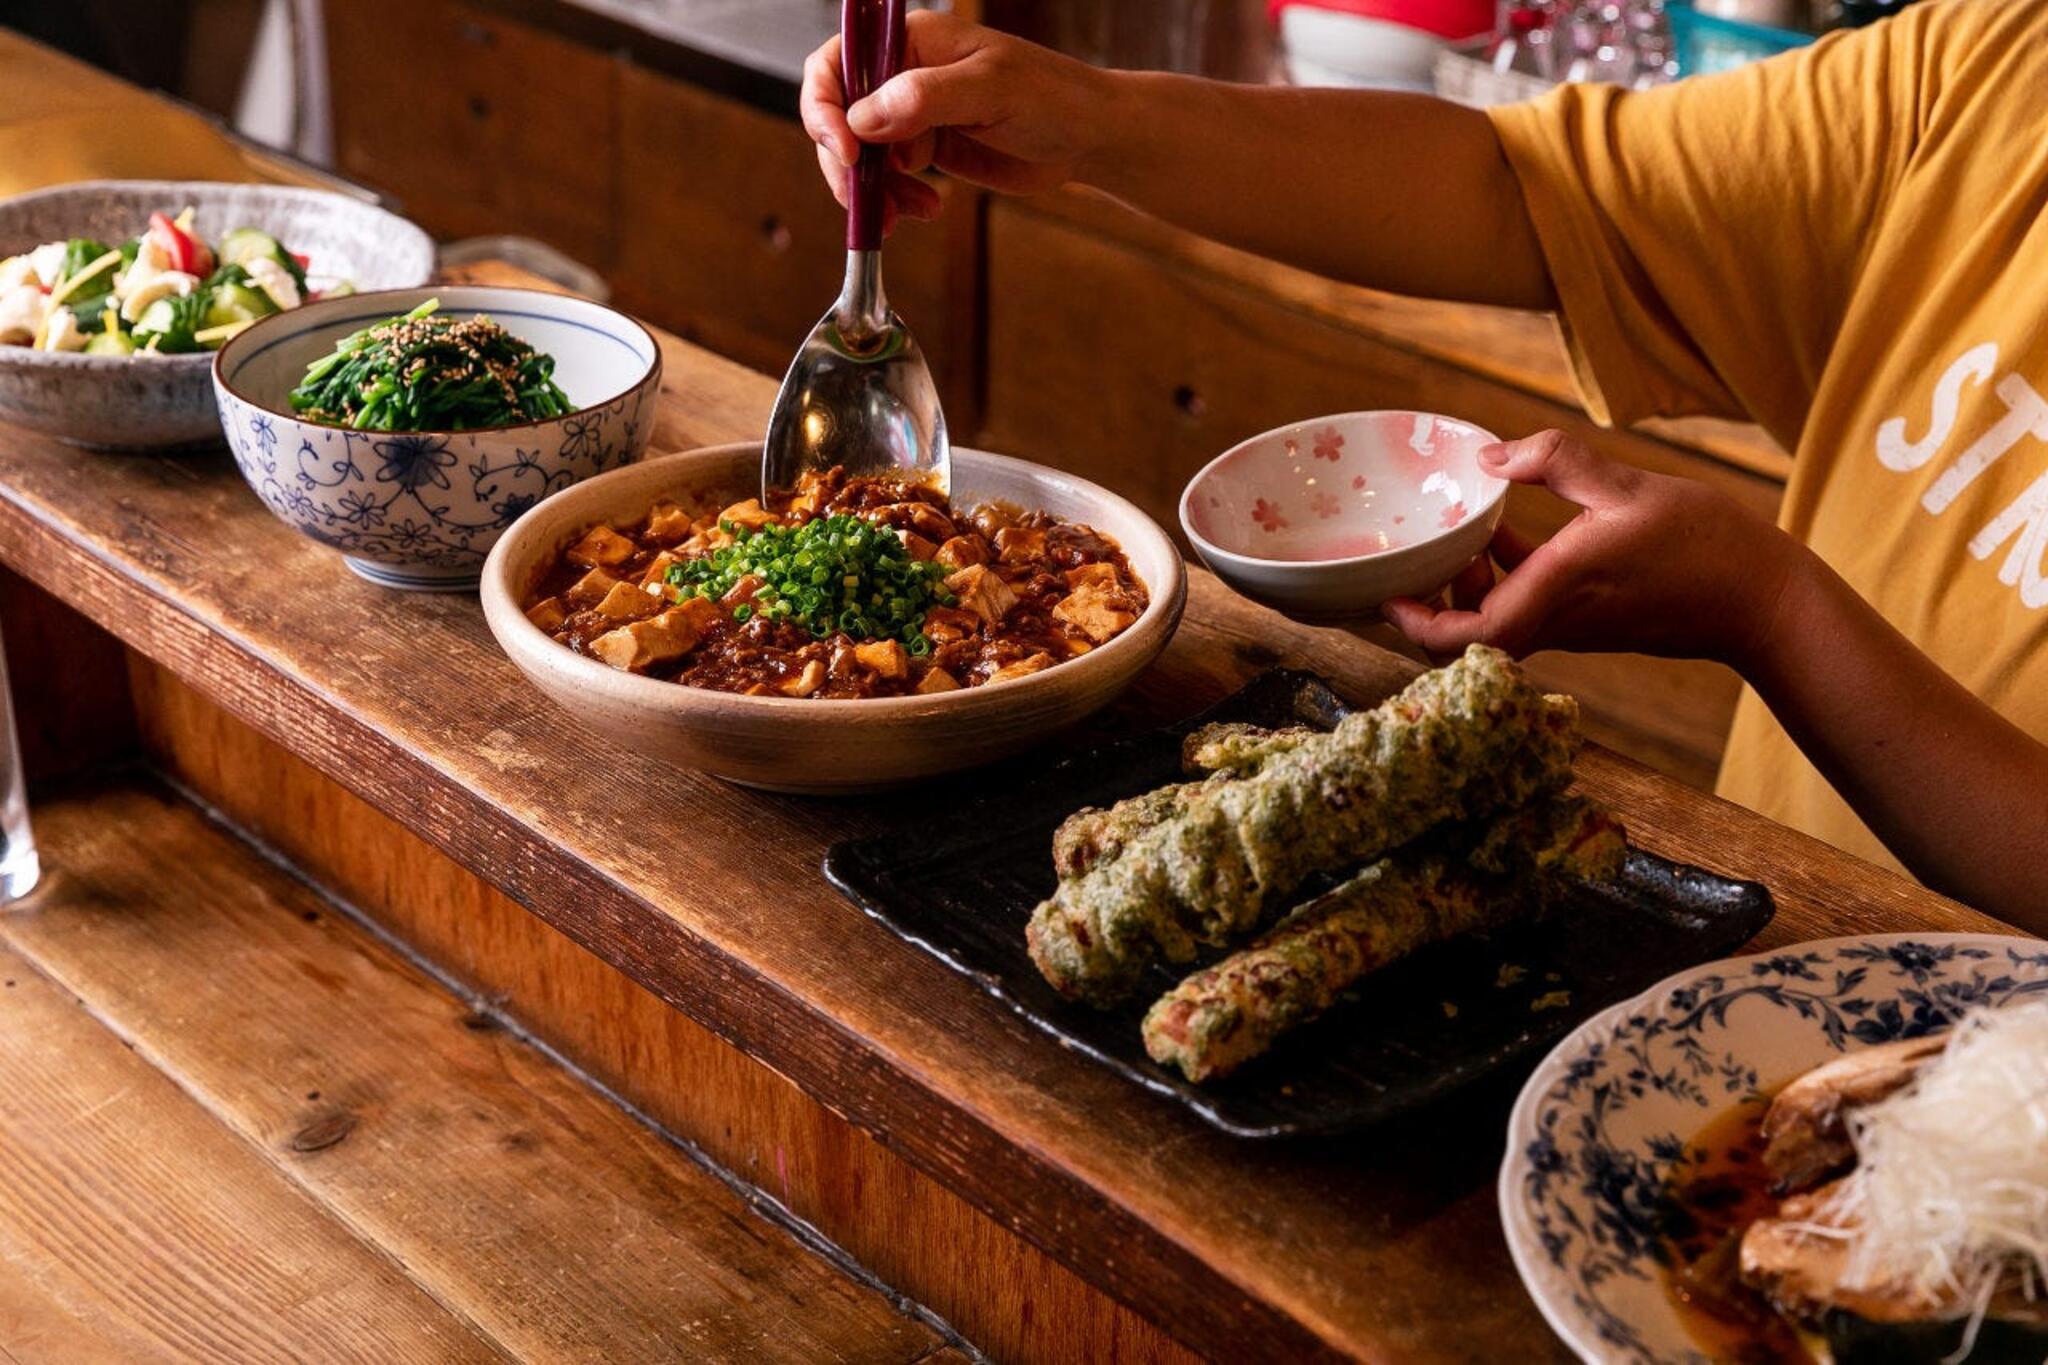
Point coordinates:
pixel 1073 334
pixel 480 124
pixel 727 236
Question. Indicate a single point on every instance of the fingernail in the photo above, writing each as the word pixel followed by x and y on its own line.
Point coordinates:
pixel 1495 454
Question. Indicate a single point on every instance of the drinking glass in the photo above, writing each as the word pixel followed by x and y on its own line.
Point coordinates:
pixel 20 868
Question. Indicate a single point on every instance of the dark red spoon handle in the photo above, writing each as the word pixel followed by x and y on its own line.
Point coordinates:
pixel 870 52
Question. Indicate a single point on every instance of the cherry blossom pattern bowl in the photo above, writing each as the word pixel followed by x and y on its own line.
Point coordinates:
pixel 1326 519
pixel 421 509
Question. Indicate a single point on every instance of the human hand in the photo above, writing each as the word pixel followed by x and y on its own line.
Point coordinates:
pixel 980 105
pixel 1651 565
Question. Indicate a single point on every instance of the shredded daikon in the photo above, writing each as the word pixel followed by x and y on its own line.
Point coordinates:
pixel 1949 1198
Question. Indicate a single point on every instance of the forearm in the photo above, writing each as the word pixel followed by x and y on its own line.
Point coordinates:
pixel 1955 790
pixel 1397 192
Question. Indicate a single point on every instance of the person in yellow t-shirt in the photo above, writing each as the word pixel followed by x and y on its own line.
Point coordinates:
pixel 1847 244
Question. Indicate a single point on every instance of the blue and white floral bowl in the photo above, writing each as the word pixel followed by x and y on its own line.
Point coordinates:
pixel 420 510
pixel 1608 1119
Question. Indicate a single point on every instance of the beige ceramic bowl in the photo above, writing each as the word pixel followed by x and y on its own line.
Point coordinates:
pixel 822 747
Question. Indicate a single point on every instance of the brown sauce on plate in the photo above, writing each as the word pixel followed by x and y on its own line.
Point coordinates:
pixel 1717 1197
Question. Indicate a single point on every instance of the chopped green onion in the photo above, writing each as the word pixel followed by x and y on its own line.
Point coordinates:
pixel 832 574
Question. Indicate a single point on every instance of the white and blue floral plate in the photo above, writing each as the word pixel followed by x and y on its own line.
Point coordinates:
pixel 1607 1120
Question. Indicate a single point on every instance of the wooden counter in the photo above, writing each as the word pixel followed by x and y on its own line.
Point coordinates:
pixel 673 934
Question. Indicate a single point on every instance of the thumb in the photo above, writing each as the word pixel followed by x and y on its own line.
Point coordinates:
pixel 917 101
pixel 1563 465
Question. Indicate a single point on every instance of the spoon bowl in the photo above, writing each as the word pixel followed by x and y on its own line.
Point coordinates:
pixel 859 395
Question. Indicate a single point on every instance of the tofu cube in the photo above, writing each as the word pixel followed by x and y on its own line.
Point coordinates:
pixel 806 682
pixel 642 645
pixel 928 521
pixel 961 551
pixel 1097 612
pixel 982 591
pixel 992 517
pixel 938 680
pixel 1023 668
pixel 886 657
pixel 704 542
pixel 920 548
pixel 668 524
pixel 590 589
pixel 629 602
pixel 657 572
pixel 748 513
pixel 946 624
pixel 601 545
pixel 1019 545
pixel 1103 574
pixel 548 614
pixel 699 613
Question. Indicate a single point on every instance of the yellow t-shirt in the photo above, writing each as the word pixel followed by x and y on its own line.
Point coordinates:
pixel 1849 245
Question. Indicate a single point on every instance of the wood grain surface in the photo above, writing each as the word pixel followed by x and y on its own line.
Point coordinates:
pixel 133 1226
pixel 320 1153
pixel 1009 1298
pixel 1384 1247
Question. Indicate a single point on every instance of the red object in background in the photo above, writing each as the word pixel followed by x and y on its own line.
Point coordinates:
pixel 1452 19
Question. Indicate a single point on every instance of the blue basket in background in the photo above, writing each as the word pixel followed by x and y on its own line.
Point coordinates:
pixel 1705 43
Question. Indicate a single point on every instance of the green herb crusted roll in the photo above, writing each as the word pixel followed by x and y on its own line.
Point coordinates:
pixel 1226 1014
pixel 1211 861
pixel 1237 749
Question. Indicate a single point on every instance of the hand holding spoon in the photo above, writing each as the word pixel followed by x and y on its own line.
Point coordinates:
pixel 859 393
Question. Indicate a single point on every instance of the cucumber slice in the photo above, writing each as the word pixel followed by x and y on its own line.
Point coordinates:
pixel 110 342
pixel 230 303
pixel 243 245
pixel 172 321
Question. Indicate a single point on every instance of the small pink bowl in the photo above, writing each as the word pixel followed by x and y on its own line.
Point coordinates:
pixel 1328 518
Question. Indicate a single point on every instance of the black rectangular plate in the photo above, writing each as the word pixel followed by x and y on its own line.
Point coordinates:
pixel 962 884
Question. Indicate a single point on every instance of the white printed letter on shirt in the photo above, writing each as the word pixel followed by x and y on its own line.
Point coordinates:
pixel 1894 451
pixel 2026 414
pixel 2027 518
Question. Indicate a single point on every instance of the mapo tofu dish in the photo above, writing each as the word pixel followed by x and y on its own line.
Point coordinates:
pixel 845 587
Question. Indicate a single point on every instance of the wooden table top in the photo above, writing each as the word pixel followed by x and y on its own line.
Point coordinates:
pixel 1381 1247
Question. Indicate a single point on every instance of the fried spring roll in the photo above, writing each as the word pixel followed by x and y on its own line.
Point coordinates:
pixel 1228 748
pixel 1460 743
pixel 1236 748
pixel 1226 1014
pixel 1093 833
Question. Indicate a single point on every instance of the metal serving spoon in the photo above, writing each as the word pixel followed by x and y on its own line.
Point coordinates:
pixel 859 393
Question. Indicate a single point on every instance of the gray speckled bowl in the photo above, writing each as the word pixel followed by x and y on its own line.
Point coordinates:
pixel 164 402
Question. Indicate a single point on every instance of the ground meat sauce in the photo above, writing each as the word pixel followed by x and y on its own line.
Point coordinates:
pixel 1029 592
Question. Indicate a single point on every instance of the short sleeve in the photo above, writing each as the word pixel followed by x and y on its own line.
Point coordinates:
pixel 1704 238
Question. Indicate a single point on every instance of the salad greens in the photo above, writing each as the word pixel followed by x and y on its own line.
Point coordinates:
pixel 165 291
pixel 422 372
